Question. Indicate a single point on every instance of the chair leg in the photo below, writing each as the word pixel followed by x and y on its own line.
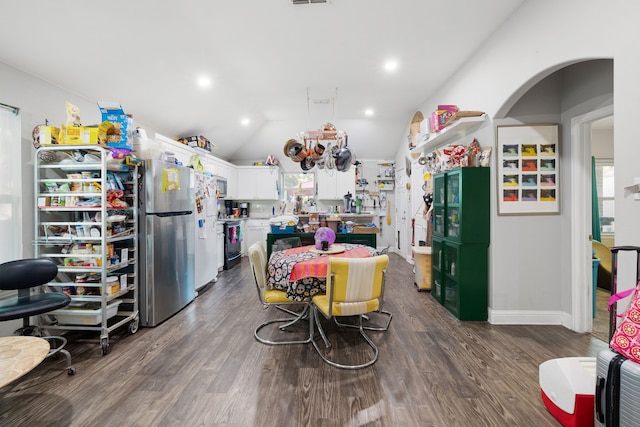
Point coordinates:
pixel 368 328
pixel 286 310
pixel 290 321
pixel 299 316
pixel 328 345
pixel 56 345
pixel 322 334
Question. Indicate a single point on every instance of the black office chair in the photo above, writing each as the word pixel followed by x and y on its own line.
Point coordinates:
pixel 22 275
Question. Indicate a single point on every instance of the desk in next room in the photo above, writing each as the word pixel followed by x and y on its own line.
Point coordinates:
pixel 367 239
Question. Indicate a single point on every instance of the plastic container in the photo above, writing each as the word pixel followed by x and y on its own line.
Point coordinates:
pixel 282 229
pixel 422 267
pixel 89 316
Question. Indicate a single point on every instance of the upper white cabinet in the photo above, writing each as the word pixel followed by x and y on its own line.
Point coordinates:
pixel 333 185
pixel 258 183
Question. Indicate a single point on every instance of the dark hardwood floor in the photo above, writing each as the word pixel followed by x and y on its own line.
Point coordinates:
pixel 203 367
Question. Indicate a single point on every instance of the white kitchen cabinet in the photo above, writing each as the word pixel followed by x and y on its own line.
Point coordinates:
pixel 258 183
pixel 256 230
pixel 220 246
pixel 333 185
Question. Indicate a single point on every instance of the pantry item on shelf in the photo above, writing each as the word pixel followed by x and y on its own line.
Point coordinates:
pixel 460 114
pixel 73 114
pixel 114 201
pixel 116 218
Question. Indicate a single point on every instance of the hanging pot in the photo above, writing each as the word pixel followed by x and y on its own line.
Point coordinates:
pixel 317 151
pixel 329 161
pixel 288 145
pixel 307 164
pixel 297 152
pixel 343 157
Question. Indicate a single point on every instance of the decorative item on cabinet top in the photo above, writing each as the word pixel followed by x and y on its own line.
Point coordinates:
pixel 447 123
pixel 198 141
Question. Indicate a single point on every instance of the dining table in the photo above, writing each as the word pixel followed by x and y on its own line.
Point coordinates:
pixel 302 272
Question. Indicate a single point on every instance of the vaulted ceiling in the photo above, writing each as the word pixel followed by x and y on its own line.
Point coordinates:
pixel 285 67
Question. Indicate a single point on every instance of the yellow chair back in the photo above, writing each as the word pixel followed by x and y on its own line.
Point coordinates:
pixel 355 285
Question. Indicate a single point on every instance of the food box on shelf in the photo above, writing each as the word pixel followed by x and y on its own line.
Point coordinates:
pixel 85 313
pixel 48 135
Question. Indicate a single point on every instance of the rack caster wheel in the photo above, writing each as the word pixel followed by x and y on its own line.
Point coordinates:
pixel 133 326
pixel 104 344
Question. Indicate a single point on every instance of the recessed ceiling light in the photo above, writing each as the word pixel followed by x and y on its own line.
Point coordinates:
pixel 245 121
pixel 368 112
pixel 390 65
pixel 204 81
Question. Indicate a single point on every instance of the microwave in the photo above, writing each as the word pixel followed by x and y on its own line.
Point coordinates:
pixel 221 183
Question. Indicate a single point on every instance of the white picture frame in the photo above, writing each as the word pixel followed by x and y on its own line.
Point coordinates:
pixel 528 167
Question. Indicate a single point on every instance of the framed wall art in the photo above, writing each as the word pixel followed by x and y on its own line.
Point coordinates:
pixel 527 169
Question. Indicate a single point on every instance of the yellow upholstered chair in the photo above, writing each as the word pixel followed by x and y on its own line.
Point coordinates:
pixel 355 286
pixel 274 297
pixel 604 268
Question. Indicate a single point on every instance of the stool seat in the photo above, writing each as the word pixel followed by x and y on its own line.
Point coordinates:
pixel 32 305
pixel 22 275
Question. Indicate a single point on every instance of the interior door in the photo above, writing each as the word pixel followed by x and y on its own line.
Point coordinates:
pixel 402 205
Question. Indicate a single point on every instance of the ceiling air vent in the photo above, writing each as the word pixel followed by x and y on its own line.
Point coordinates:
pixel 308 1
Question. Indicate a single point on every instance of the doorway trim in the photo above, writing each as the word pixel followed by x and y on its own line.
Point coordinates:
pixel 581 267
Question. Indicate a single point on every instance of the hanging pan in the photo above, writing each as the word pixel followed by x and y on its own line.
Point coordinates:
pixel 343 157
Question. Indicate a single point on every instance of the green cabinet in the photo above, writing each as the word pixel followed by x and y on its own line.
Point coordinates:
pixel 460 241
pixel 461 205
pixel 368 239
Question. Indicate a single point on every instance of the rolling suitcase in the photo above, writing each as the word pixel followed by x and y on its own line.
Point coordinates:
pixel 617 394
pixel 617 391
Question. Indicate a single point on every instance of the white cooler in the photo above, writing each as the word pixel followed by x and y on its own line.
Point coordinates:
pixel 568 387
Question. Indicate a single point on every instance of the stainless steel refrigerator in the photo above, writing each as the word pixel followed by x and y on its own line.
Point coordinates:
pixel 167 247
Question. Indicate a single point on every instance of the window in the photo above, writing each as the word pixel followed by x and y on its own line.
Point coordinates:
pixel 299 185
pixel 606 194
pixel 11 194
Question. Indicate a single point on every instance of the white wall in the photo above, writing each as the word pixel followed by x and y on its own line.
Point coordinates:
pixel 534 43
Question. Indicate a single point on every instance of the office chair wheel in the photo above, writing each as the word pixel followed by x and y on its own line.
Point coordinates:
pixel 104 345
pixel 71 370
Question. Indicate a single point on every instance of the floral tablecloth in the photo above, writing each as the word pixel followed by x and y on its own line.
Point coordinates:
pixel 302 273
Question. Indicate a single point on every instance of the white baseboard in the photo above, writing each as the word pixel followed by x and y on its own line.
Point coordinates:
pixel 524 317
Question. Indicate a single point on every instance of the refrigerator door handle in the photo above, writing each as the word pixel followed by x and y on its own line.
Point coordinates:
pixel 166 214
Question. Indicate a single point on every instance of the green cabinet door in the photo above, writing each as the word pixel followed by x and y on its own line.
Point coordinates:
pixel 461 205
pixel 460 241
